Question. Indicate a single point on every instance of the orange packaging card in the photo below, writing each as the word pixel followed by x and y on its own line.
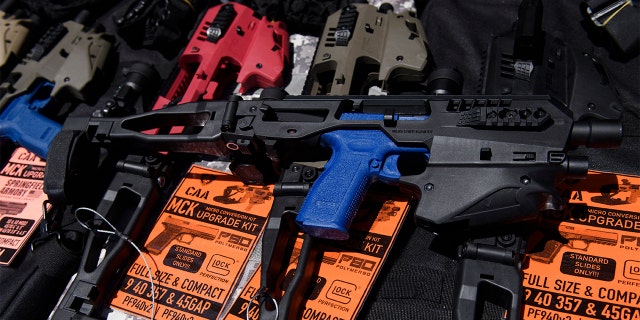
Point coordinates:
pixel 587 263
pixel 21 199
pixel 349 268
pixel 198 247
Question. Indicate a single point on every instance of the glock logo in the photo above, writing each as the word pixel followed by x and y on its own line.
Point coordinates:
pixel 220 265
pixel 341 291
pixel 632 270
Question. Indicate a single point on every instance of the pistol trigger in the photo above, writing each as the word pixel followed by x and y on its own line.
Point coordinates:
pixel 390 168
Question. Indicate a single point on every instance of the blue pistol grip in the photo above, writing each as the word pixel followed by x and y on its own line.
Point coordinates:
pixel 22 122
pixel 359 157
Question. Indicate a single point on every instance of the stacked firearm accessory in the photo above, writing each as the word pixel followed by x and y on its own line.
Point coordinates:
pixel 65 65
pixel 16 38
pixel 230 45
pixel 500 152
pixel 363 46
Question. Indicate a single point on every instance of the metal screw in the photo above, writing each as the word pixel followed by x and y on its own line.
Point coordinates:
pixel 259 65
pixel 429 187
pixel 309 173
pixel 242 124
pixel 507 239
pixel 539 113
pixel 326 56
pixel 525 180
pixel 399 58
pixel 151 159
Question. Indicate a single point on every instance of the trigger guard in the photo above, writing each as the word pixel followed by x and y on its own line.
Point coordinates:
pixel 390 168
pixel 186 238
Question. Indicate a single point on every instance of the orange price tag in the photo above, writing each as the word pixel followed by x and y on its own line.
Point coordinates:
pixel 21 198
pixel 586 265
pixel 198 247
